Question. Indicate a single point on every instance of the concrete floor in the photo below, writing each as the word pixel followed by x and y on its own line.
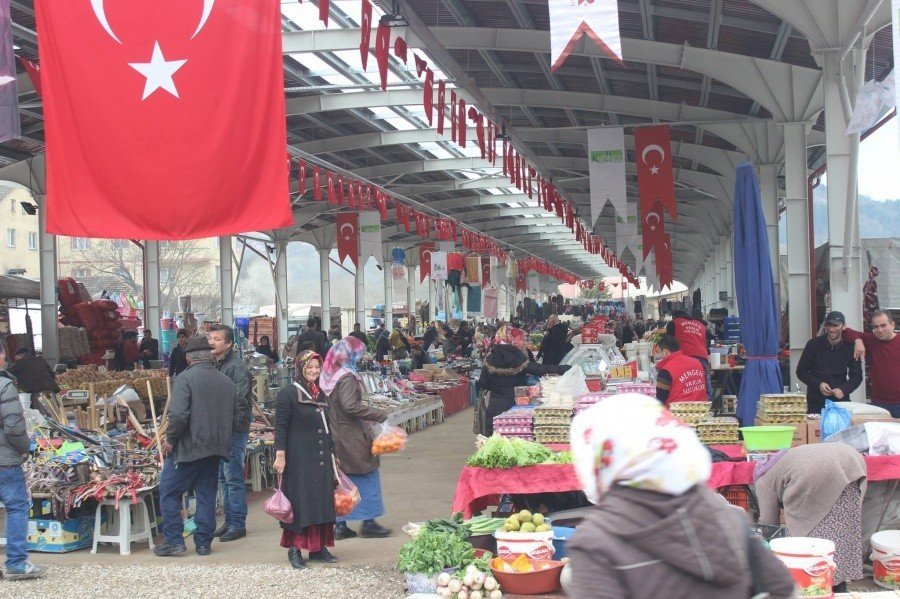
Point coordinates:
pixel 418 484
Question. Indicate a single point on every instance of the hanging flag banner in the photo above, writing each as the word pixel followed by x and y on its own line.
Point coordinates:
pixel 439 266
pixel 650 272
pixel 486 270
pixel 137 146
pixel 370 235
pixel 347 232
pixel 570 21
pixel 606 154
pixel 365 32
pixel 9 93
pixel 653 228
pixel 627 236
pixel 664 267
pixel 34 74
pixel 425 251
pixel 656 181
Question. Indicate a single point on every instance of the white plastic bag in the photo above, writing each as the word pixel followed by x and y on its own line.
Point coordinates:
pixel 572 383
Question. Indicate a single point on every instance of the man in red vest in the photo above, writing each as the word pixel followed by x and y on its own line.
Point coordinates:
pixel 679 377
pixel 691 335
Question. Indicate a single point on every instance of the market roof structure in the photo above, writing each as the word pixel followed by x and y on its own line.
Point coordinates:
pixel 720 71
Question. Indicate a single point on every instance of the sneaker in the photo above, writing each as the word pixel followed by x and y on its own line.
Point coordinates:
pixel 27 572
pixel 169 550
pixel 323 555
pixel 221 530
pixel 342 531
pixel 233 535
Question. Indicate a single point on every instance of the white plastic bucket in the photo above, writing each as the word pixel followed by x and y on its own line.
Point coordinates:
pixel 715 360
pixel 536 545
pixel 886 558
pixel 810 562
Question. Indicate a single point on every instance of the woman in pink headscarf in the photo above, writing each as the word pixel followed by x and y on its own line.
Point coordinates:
pixel 351 429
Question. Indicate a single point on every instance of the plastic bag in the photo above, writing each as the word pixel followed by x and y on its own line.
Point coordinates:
pixel 346 495
pixel 572 383
pixel 834 419
pixel 390 439
pixel 279 507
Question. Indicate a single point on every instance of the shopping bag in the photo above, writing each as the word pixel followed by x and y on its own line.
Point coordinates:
pixel 346 495
pixel 278 506
pixel 834 419
pixel 390 439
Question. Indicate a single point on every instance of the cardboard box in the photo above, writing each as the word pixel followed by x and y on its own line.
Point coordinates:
pixel 800 433
pixel 814 430
pixel 861 419
pixel 54 536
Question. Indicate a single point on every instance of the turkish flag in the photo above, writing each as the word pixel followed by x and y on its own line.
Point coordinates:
pixel 365 32
pixel 653 229
pixel 428 96
pixel 153 111
pixel 382 50
pixel 441 105
pixel 347 230
pixel 425 250
pixel 664 267
pixel 317 183
pixel 34 74
pixel 461 123
pixel 453 116
pixel 401 49
pixel 656 181
pixel 302 178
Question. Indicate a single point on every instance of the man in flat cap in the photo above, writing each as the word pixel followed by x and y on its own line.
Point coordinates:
pixel 202 415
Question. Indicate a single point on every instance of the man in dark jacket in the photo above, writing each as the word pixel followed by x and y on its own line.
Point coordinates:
pixel 827 366
pixel 312 339
pixel 33 375
pixel 177 360
pixel 357 332
pixel 203 413
pixel 231 472
pixel 149 348
pixel 14 445
pixel 555 344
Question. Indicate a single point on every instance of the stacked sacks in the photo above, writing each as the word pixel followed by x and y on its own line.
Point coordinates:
pixel 71 293
pixel 103 325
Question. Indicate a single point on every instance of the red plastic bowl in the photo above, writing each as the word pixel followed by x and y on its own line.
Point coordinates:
pixel 530 583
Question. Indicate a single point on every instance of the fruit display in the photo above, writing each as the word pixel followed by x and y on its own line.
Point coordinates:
pixel 391 440
pixel 691 412
pixel 525 521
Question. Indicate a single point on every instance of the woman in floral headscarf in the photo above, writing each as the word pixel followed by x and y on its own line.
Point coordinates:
pixel 655 525
pixel 351 427
pixel 303 450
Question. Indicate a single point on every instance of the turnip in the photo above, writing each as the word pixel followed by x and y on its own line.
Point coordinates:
pixel 468 580
pixel 490 583
pixel 475 595
pixel 444 579
pixel 476 586
pixel 480 578
pixel 455 585
pixel 463 594
pixel 445 593
pixel 496 594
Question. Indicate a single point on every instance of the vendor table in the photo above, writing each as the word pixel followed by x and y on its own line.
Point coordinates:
pixel 458 398
pixel 725 380
pixel 478 488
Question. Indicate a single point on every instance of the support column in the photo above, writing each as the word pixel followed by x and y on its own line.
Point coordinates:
pixel 281 291
pixel 798 284
pixel 226 280
pixel 360 295
pixel 49 308
pixel 410 295
pixel 325 287
pixel 768 188
pixel 388 288
pixel 151 286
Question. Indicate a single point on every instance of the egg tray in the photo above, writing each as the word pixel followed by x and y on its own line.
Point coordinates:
pixel 685 407
pixel 693 417
pixel 555 420
pixel 551 438
pixel 781 419
pixel 718 438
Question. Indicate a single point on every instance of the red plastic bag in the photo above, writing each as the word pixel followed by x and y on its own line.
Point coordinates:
pixel 346 495
pixel 390 439
pixel 279 507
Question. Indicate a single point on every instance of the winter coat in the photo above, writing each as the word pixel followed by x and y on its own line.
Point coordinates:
pixel 14 441
pixel 33 374
pixel 302 432
pixel 203 413
pixel 555 344
pixel 177 361
pixel 234 368
pixel 351 427
pixel 507 367
pixel 314 340
pixel 637 544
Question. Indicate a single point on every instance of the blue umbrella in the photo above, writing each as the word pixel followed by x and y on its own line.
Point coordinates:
pixel 755 296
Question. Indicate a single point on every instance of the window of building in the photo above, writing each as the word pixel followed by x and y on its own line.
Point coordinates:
pixel 81 243
pixel 10 238
pixel 81 272
pixel 32 240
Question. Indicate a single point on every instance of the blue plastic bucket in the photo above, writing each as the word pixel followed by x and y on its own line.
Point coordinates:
pixel 561 536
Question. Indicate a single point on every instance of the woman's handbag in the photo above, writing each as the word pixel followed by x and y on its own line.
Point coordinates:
pixel 481 413
pixel 278 506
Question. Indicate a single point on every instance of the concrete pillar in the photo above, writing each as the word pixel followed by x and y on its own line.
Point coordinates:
pixel 386 270
pixel 281 291
pixel 410 295
pixel 151 286
pixel 325 286
pixel 49 307
pixel 360 294
pixel 797 223
pixel 768 188
pixel 226 280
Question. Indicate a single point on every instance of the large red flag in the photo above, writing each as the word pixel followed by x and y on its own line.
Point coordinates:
pixel 347 229
pixel 382 50
pixel 653 229
pixel 425 250
pixel 654 168
pixel 163 121
pixel 365 32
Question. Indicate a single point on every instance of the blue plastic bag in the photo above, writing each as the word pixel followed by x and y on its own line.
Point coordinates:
pixel 834 419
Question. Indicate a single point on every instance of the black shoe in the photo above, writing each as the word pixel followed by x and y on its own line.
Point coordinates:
pixel 322 555
pixel 169 550
pixel 204 549
pixel 372 529
pixel 233 535
pixel 342 531
pixel 221 530
pixel 296 559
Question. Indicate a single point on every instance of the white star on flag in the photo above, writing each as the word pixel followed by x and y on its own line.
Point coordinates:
pixel 654 170
pixel 158 72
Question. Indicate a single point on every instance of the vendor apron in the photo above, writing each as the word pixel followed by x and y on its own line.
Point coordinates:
pixel 810 562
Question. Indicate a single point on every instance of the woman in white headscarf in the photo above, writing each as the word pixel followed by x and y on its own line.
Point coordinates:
pixel 657 529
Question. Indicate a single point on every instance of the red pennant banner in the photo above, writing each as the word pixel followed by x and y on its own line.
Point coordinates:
pixel 441 105
pixel 425 250
pixel 421 64
pixel 317 183
pixel 347 225
pixel 324 6
pixel 401 49
pixel 365 31
pixel 485 270
pixel 34 74
pixel 332 195
pixel 453 116
pixel 656 181
pixel 428 96
pixel 302 178
pixel 461 122
pixel 382 48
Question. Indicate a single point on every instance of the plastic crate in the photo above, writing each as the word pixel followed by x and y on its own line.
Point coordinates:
pixel 737 495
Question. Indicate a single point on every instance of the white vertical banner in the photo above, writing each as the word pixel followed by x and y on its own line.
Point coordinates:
pixel 370 236
pixel 439 266
pixel 606 155
pixel 570 20
pixel 627 236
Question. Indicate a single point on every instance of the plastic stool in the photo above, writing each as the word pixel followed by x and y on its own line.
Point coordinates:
pixel 128 530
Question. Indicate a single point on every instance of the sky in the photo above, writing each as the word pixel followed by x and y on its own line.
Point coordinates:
pixel 879 154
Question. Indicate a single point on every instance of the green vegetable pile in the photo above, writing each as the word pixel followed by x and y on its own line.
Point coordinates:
pixel 453 525
pixel 433 550
pixel 484 525
pixel 504 452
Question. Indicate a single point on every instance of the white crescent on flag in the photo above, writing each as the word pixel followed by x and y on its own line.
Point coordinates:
pixel 570 20
pixel 349 235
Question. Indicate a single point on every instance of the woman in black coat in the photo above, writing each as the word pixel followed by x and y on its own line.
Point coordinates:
pixel 303 455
